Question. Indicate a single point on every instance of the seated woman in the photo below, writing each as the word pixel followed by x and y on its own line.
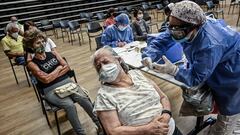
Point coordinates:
pixel 139 26
pixel 50 70
pixel 167 12
pixel 128 103
pixel 49 45
pixel 110 18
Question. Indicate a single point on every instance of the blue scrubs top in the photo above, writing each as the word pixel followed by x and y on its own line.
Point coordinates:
pixel 112 35
pixel 214 57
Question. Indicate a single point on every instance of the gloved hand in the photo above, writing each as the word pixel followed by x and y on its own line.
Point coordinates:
pixel 147 61
pixel 168 67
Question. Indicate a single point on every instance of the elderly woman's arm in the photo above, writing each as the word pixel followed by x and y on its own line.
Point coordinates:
pixel 65 68
pixel 113 126
pixel 164 101
pixel 42 76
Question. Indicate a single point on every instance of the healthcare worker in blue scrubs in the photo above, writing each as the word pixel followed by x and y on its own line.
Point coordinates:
pixel 119 34
pixel 213 53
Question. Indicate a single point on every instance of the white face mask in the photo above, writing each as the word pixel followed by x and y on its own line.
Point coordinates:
pixel 109 72
pixel 15 35
pixel 140 16
pixel 122 28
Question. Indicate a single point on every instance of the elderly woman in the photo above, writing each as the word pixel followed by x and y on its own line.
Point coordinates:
pixel 127 102
pixel 49 45
pixel 50 70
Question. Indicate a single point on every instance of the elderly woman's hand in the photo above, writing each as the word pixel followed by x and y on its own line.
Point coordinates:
pixel 156 128
pixel 165 118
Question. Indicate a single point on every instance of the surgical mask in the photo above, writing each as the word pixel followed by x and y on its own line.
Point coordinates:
pixel 140 16
pixel 186 38
pixel 15 35
pixel 40 49
pixel 109 72
pixel 122 28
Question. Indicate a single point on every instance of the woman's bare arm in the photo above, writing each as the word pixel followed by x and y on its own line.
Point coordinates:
pixel 112 125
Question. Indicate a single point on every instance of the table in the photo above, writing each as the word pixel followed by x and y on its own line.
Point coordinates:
pixel 132 56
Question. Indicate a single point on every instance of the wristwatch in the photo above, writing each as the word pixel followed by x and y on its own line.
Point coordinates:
pixel 167 111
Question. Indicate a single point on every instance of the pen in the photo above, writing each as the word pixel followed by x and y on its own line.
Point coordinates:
pixel 159 60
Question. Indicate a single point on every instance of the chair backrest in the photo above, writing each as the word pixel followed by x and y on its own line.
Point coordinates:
pixel 159 6
pixel 73 25
pixel 45 22
pixel 56 23
pixel 145 6
pixel 94 27
pixel 101 16
pixel 64 24
pixel 210 5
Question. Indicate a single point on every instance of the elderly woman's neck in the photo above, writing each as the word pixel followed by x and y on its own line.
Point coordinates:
pixel 40 56
pixel 124 81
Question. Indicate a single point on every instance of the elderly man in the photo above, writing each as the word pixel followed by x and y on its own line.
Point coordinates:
pixel 12 44
pixel 14 19
pixel 127 102
pixel 213 53
pixel 118 34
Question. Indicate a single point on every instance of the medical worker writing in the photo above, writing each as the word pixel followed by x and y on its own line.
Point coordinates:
pixel 119 34
pixel 213 53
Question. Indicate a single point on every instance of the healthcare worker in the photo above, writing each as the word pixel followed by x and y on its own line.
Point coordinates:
pixel 118 34
pixel 213 53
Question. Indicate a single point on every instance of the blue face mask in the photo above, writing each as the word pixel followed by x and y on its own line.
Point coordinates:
pixel 185 39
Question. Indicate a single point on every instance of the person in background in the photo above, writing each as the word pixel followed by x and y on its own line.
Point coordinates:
pixel 127 102
pixel 110 18
pixel 167 11
pixel 213 53
pixel 12 44
pixel 28 25
pixel 119 34
pixel 51 70
pixel 14 19
pixel 139 26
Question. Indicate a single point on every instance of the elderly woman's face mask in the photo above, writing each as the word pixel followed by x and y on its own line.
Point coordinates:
pixel 109 72
pixel 39 45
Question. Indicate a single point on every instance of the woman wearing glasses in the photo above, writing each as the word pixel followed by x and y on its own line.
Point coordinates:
pixel 213 52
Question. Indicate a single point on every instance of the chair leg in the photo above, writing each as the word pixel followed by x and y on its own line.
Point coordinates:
pixel 71 40
pixel 14 73
pixel 90 43
pixel 229 9
pixel 56 118
pixel 79 39
pixel 62 34
pixel 68 36
pixel 26 76
pixel 35 91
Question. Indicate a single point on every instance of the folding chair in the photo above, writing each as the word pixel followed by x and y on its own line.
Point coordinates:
pixel 93 27
pixel 46 25
pixel 56 26
pixel 14 73
pixel 64 28
pixel 53 108
pixel 75 28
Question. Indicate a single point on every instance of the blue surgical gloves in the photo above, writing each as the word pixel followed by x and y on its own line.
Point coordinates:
pixel 168 67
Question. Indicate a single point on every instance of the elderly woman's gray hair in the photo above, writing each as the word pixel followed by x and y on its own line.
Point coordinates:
pixel 113 53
